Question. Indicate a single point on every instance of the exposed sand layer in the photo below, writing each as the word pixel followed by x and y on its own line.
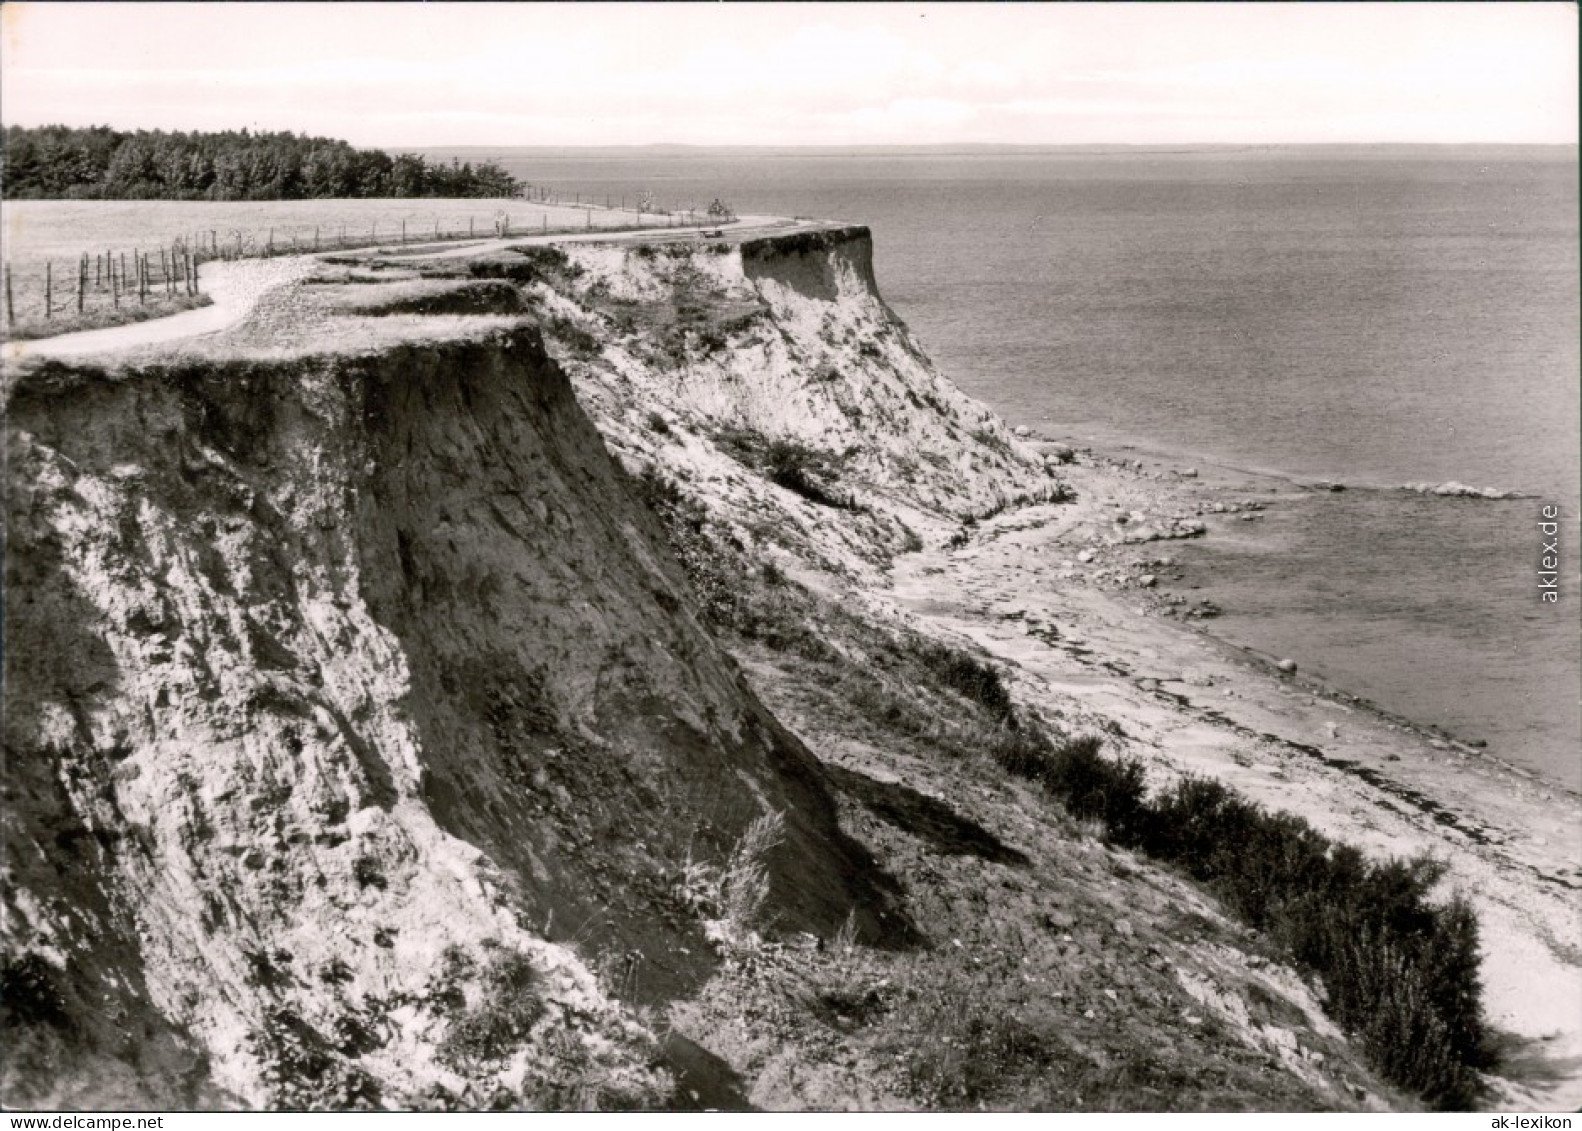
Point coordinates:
pixel 689 361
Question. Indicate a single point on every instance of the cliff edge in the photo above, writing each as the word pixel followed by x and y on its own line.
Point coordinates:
pixel 619 672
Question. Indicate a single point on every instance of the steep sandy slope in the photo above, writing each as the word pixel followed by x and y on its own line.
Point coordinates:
pixel 370 740
pixel 717 362
pixel 339 688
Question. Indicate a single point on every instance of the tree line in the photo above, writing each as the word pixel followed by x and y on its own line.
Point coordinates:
pixel 100 163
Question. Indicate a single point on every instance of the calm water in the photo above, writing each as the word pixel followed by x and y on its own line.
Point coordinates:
pixel 1374 316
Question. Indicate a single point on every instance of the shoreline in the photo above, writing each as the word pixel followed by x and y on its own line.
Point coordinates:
pixel 1208 475
pixel 1235 473
pixel 1098 654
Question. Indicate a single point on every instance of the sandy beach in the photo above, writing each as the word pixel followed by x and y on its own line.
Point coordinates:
pixel 1080 615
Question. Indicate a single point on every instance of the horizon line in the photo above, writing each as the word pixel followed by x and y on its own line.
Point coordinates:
pixel 1006 145
pixel 1175 144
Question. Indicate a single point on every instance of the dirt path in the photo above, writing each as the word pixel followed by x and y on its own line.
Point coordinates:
pixel 237 286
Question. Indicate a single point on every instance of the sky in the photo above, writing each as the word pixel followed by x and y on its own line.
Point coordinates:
pixel 415 75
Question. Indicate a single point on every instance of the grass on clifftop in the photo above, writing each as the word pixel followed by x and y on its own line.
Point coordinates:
pixel 29 329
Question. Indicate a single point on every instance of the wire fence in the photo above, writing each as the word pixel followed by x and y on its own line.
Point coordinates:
pixel 96 282
pixel 53 295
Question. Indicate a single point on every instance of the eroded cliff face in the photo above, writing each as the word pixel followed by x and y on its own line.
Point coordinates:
pixel 370 742
pixel 343 692
pixel 696 357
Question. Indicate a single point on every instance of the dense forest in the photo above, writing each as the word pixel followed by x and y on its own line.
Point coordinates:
pixel 100 163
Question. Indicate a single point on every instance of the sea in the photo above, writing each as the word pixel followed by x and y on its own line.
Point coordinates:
pixel 1373 316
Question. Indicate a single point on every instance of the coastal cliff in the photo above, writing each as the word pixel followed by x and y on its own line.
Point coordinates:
pixel 326 672
pixel 510 679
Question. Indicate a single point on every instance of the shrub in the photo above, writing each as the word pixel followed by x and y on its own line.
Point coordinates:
pixel 965 673
pixel 1093 786
pixel 500 1021
pixel 28 994
pixel 516 272
pixel 302 1072
pixel 1400 972
pixel 730 897
pixel 579 341
pixel 796 467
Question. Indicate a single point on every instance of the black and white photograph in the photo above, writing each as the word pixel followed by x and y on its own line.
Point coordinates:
pixel 790 557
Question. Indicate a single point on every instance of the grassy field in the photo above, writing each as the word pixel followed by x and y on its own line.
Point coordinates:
pixel 34 233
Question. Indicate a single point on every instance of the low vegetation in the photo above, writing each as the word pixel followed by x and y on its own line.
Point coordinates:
pixel 963 672
pixel 509 1003
pixel 791 464
pixel 28 327
pixel 302 1072
pixel 28 995
pixel 730 896
pixel 1400 971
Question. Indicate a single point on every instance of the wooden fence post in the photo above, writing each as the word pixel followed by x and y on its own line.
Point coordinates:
pixel 315 237
pixel 48 296
pixel 98 268
pixel 10 311
pixel 82 279
pixel 403 231
pixel 469 227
